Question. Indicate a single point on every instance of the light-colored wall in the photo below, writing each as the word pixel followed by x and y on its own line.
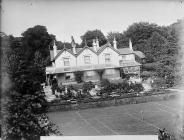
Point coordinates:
pixel 128 57
pixel 61 77
pixel 95 59
pixel 80 58
pixel 111 74
pixel 59 61
pixel 91 76
pixel 114 56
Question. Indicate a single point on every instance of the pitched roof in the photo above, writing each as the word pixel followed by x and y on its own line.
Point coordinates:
pixel 86 47
pixel 58 54
pixel 125 51
pixel 139 54
pixel 105 46
pixel 121 51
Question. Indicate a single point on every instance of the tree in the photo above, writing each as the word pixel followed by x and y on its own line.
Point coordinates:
pixel 37 39
pixel 60 45
pixel 26 104
pixel 157 45
pixel 93 34
pixel 122 41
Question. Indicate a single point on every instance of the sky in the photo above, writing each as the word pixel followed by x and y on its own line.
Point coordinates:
pixel 66 18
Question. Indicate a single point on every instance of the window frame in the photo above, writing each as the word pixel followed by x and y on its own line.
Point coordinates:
pixel 64 62
pixel 85 59
pixel 109 59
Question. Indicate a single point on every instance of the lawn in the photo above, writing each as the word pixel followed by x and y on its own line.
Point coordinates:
pixel 133 119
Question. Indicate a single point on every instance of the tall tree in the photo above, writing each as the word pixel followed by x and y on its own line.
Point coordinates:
pixel 37 39
pixel 122 41
pixel 139 34
pixel 26 105
pixel 93 34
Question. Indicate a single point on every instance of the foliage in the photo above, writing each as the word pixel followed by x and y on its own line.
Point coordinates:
pixel 37 39
pixel 104 83
pixel 158 83
pixel 78 76
pixel 120 88
pixel 93 34
pixel 87 86
pixel 28 119
pixel 120 38
pixel 60 45
pixel 26 99
pixel 161 46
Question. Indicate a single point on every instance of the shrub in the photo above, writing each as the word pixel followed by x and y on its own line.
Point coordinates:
pixel 159 83
pixel 87 86
pixel 105 83
pixel 138 87
pixel 78 76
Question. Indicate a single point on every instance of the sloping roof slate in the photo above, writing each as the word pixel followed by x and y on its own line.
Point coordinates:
pixel 139 54
pixel 121 51
pixel 125 51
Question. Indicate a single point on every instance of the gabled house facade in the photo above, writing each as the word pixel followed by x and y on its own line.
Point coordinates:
pixel 114 63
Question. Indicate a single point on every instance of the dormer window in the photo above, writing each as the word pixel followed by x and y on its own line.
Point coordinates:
pixel 107 58
pixel 66 61
pixel 87 59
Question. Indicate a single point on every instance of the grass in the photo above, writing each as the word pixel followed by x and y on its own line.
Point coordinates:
pixel 118 120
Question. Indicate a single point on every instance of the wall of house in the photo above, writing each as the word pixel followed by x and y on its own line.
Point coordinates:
pixel 111 74
pixel 62 78
pixel 128 57
pixel 91 76
pixel 113 55
pixel 59 61
pixel 93 58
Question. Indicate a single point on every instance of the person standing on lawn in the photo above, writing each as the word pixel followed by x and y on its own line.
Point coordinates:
pixel 54 85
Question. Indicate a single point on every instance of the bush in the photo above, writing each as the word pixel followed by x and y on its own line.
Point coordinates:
pixel 87 86
pixel 105 83
pixel 159 83
pixel 138 87
pixel 78 76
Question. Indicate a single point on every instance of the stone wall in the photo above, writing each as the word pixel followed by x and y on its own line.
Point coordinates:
pixel 111 102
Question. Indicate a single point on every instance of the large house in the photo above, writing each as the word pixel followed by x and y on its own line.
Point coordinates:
pixel 113 63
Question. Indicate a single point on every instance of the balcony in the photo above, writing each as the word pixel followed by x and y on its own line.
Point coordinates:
pixel 50 70
pixel 128 63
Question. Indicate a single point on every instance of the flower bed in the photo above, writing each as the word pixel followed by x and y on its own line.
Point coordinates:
pixel 109 101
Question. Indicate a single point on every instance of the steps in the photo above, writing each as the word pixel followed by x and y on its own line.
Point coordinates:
pixel 48 93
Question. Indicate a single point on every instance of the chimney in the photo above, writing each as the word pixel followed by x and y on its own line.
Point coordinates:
pixel 115 43
pixel 94 45
pixel 130 44
pixel 55 49
pixel 73 45
pixel 97 43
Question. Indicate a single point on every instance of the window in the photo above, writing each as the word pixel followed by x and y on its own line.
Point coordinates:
pixel 107 58
pixel 67 77
pixel 87 59
pixel 66 61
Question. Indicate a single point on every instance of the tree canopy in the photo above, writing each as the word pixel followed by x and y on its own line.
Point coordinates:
pixel 25 106
pixel 122 41
pixel 93 34
pixel 37 39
